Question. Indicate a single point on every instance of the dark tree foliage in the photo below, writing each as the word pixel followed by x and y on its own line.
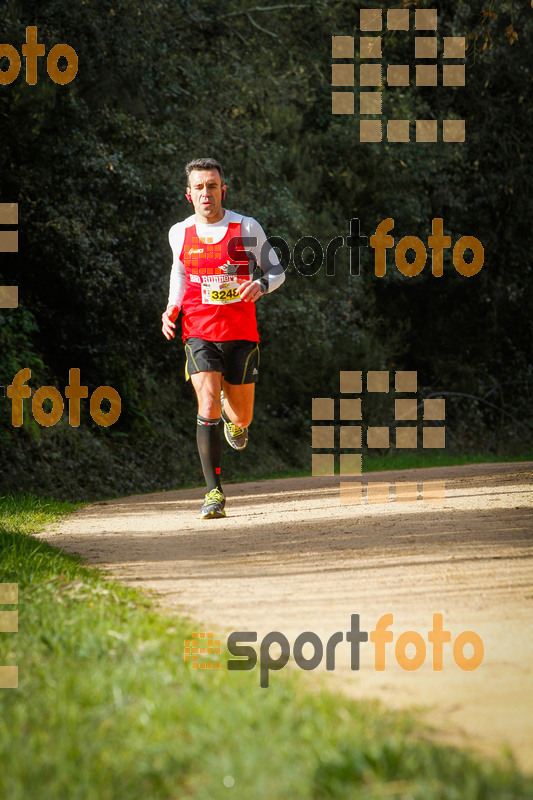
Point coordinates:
pixel 97 169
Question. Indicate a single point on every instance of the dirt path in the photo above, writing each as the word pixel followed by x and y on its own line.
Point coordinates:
pixel 290 558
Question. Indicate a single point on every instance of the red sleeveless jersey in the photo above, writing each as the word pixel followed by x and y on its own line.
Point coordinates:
pixel 211 306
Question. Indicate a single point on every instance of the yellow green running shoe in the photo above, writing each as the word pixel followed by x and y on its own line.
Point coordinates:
pixel 213 506
pixel 236 437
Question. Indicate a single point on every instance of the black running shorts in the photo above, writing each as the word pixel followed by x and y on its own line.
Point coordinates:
pixel 237 359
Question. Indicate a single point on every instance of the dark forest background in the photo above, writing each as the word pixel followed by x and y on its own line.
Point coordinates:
pixel 97 169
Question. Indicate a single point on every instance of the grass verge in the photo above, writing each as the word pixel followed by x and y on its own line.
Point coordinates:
pixel 437 458
pixel 107 709
pixel 398 460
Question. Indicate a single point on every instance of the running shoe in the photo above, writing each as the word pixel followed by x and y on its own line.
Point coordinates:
pixel 213 506
pixel 236 437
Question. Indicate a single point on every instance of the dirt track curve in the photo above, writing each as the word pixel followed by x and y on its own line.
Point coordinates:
pixel 289 557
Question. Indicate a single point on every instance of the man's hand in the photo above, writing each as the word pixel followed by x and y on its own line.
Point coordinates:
pixel 169 318
pixel 251 291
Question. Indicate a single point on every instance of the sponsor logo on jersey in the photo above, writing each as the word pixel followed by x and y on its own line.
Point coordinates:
pixel 229 269
pixel 217 279
pixel 192 250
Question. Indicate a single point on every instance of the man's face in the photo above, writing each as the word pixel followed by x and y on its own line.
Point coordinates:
pixel 206 193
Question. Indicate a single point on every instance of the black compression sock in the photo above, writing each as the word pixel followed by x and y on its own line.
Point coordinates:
pixel 210 450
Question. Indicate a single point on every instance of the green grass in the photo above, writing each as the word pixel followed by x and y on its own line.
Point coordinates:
pixel 107 709
pixel 401 460
pixel 437 458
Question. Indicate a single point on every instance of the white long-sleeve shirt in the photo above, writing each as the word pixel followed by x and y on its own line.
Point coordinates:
pixel 261 252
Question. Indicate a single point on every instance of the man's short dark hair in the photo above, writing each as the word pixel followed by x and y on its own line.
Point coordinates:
pixel 204 163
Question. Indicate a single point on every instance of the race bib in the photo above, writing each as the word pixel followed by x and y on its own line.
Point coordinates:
pixel 220 293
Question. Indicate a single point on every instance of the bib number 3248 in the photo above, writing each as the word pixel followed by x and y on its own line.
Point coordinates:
pixel 217 294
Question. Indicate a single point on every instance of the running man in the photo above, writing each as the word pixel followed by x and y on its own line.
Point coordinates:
pixel 214 254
